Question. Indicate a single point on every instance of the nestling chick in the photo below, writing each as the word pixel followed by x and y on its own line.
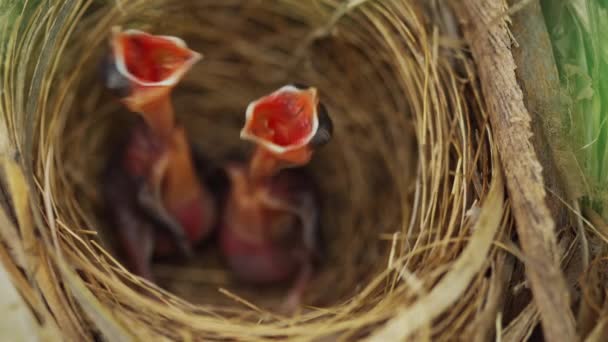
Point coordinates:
pixel 154 197
pixel 269 232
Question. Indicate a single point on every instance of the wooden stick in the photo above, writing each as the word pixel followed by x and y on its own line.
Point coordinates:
pixel 488 36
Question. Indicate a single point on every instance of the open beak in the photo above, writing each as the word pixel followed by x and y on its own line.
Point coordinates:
pixel 287 126
pixel 144 68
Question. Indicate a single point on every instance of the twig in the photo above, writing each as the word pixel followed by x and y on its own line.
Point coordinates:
pixel 511 123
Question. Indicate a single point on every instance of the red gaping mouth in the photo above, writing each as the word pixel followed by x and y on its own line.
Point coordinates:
pixel 284 120
pixel 151 60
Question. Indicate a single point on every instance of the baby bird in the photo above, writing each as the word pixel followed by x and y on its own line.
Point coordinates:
pixel 151 189
pixel 270 227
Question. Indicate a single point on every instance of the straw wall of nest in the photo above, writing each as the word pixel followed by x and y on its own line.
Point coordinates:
pixel 415 212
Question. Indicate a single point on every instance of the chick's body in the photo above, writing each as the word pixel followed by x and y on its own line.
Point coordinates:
pixel 144 191
pixel 123 180
pixel 269 231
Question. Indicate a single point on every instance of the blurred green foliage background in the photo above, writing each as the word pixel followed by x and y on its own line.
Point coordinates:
pixel 579 33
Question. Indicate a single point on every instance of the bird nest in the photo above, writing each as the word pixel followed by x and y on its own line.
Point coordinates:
pixel 412 200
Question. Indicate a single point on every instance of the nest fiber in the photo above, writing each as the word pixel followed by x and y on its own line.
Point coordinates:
pixel 413 207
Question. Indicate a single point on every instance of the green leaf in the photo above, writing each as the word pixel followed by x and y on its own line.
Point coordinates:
pixel 579 33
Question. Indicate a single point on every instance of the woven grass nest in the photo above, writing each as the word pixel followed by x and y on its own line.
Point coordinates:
pixel 413 205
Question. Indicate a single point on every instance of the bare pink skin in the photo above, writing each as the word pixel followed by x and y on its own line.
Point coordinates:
pixel 269 229
pixel 153 191
pixel 268 232
pixel 139 227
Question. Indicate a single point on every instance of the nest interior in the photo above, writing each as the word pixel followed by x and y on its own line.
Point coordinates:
pixel 245 59
pixel 404 180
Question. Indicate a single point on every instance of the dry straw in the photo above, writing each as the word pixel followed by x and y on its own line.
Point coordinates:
pixel 414 205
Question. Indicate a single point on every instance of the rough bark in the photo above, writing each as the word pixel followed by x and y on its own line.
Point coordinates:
pixel 486 31
pixel 539 80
